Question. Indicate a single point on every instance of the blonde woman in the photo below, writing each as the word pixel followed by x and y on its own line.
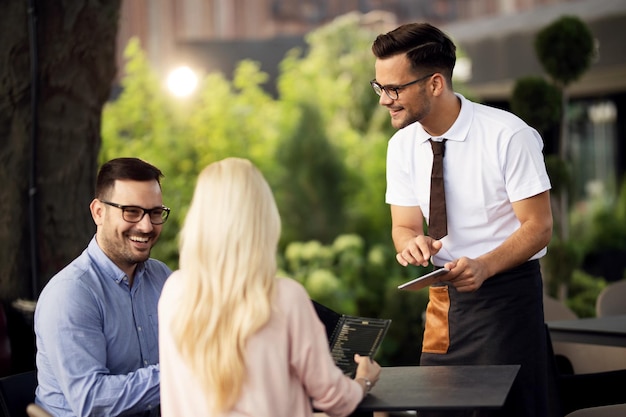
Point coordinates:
pixel 235 340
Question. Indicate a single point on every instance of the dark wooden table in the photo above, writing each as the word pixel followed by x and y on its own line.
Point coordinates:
pixel 608 331
pixel 439 388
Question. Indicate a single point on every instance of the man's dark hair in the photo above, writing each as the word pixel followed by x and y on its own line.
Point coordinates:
pixel 124 169
pixel 425 46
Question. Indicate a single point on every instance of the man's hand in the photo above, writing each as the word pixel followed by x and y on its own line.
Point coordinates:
pixel 466 274
pixel 418 251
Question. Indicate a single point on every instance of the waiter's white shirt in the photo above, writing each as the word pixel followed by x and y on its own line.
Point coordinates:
pixel 492 158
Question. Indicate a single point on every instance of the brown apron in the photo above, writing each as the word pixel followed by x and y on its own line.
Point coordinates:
pixel 437 331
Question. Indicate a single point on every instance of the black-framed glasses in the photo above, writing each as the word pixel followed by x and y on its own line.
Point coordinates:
pixel 134 214
pixel 393 91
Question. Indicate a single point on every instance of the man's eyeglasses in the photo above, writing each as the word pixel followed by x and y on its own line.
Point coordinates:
pixel 134 214
pixel 393 92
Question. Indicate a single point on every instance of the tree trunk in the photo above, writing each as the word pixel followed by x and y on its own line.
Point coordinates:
pixel 50 133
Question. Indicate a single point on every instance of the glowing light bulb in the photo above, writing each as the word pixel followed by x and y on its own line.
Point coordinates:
pixel 182 81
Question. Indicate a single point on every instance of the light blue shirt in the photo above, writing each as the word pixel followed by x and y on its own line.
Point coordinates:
pixel 97 338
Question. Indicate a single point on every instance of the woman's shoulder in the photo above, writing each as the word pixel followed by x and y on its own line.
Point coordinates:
pixel 174 279
pixel 292 301
pixel 290 286
pixel 172 288
pixel 290 292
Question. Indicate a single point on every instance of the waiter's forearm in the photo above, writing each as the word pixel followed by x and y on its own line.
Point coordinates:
pixel 529 239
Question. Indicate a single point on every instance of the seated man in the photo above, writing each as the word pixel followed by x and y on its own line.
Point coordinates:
pixel 96 320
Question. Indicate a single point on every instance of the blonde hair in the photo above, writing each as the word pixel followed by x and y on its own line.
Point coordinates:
pixel 228 262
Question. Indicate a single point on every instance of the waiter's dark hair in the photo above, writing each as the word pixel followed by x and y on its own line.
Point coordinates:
pixel 425 46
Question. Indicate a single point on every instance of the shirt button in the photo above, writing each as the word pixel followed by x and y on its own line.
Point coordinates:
pixel 145 362
pixel 139 328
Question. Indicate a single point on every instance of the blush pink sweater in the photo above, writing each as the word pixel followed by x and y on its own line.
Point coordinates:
pixel 290 369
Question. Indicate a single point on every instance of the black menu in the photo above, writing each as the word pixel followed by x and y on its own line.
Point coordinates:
pixel 348 335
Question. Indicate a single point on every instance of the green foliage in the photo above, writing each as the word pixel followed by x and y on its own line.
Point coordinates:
pixel 600 223
pixel 138 122
pixel 317 267
pixel 559 173
pixel 334 75
pixel 537 102
pixel 583 293
pixel 559 264
pixel 565 48
pixel 331 84
pixel 403 344
pixel 311 186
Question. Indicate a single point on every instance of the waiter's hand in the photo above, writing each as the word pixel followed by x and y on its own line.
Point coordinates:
pixel 466 274
pixel 418 251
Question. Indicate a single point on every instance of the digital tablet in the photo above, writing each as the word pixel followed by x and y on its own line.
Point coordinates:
pixel 424 280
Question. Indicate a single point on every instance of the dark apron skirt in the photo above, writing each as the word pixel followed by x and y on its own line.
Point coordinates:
pixel 501 323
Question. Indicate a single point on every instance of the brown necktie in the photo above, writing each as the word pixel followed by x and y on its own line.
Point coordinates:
pixel 437 225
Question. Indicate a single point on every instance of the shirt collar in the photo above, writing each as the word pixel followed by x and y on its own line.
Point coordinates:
pixel 458 131
pixel 107 266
